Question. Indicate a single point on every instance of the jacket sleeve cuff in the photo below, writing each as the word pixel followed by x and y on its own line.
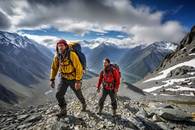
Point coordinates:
pixel 78 80
pixel 52 79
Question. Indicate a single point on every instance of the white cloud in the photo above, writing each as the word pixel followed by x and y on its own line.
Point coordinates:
pixel 78 27
pixel 82 16
pixel 49 41
pixel 120 36
pixel 169 31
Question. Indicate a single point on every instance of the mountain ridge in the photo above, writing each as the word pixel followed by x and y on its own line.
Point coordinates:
pixel 175 75
pixel 25 64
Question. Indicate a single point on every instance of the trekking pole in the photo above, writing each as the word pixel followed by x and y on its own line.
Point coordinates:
pixel 60 61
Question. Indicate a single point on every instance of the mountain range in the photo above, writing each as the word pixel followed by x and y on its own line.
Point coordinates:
pixel 24 67
pixel 28 103
pixel 175 76
pixel 135 63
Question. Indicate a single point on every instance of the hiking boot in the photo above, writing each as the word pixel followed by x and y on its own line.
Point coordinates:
pixel 62 112
pixel 84 106
pixel 114 112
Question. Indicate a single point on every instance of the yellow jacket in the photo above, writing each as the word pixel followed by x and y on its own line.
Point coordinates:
pixel 68 70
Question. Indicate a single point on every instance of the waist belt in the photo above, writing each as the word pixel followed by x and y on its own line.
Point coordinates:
pixel 110 85
pixel 67 74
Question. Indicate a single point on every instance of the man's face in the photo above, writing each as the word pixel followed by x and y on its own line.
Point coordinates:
pixel 105 63
pixel 61 48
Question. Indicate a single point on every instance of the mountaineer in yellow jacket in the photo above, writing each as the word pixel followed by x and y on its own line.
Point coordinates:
pixel 68 64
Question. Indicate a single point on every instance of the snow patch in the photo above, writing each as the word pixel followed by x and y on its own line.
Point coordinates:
pixel 155 94
pixel 191 73
pixel 180 88
pixel 153 88
pixel 190 94
pixel 170 46
pixel 164 73
pixel 163 94
pixel 192 54
pixel 167 83
pixel 14 39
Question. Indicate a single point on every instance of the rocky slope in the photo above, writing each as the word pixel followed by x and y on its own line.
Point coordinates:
pixel 24 68
pixel 136 113
pixel 176 73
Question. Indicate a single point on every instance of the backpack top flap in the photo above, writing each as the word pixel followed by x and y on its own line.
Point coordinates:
pixel 75 46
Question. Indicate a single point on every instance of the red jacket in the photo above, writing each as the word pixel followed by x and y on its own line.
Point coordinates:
pixel 109 76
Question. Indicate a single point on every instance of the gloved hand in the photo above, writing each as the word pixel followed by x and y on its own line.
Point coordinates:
pixel 52 84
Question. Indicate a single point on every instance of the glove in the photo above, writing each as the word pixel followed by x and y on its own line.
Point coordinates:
pixel 52 84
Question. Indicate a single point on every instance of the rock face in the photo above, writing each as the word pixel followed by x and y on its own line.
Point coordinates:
pixel 22 59
pixel 176 74
pixel 181 71
pixel 131 115
pixel 23 65
pixel 183 52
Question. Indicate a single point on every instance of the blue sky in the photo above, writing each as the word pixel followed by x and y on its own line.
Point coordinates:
pixel 72 36
pixel 123 22
pixel 180 10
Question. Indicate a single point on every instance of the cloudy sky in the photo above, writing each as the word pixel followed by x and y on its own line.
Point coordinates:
pixel 123 22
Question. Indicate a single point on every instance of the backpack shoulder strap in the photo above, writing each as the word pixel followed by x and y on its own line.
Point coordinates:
pixel 59 57
pixel 112 69
pixel 69 57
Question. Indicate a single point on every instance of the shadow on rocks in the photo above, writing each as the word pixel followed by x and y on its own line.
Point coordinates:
pixel 69 119
pixel 92 114
pixel 118 120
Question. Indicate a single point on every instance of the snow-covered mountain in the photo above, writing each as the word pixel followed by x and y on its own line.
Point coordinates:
pixel 176 74
pixel 141 60
pixel 134 62
pixel 24 64
pixel 95 58
pixel 164 45
pixel 136 109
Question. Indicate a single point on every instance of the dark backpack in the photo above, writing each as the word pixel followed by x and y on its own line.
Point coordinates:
pixel 76 47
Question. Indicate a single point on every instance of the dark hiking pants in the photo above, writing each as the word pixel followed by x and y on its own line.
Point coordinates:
pixel 61 91
pixel 112 95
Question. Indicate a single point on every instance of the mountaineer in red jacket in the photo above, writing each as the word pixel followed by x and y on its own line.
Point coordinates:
pixel 110 80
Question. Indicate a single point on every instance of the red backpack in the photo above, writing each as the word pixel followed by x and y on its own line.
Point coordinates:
pixel 117 69
pixel 108 78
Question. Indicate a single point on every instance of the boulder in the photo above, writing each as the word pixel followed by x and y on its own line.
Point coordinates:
pixel 173 114
pixel 33 118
